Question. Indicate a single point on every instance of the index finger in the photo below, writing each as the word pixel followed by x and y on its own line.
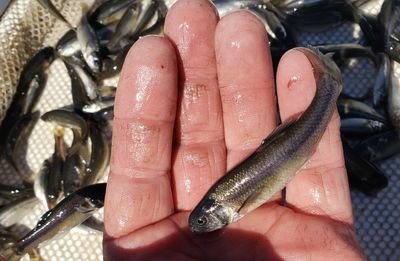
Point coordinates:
pixel 139 190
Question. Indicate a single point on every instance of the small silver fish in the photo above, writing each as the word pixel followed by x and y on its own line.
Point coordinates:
pixel 362 126
pixel 40 184
pixel 90 46
pixel 133 21
pixel 24 98
pixel 13 193
pixel 70 212
pixel 382 80
pixel 394 97
pixel 11 213
pixel 276 161
pixel 226 6
pixel 83 87
pixel 99 158
pixel 68 45
pixel 351 108
pixel 54 181
pixel 35 90
pixel 67 119
pixel 17 138
pixel 75 163
pixel 111 11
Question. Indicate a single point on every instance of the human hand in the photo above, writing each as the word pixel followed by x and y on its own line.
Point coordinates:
pixel 176 133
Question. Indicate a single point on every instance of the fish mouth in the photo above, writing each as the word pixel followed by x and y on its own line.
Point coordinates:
pixel 203 230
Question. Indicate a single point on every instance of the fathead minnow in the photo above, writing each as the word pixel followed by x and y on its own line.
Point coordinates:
pixel 394 97
pixel 83 86
pixel 106 114
pixel 343 52
pixel 68 45
pixel 382 81
pixel 12 213
pixel 362 126
pixel 351 108
pixel 22 98
pixel 54 180
pixel 226 6
pixel 35 90
pixel 13 193
pixel 276 161
pixel 41 183
pixel 99 158
pixel 90 46
pixel 388 25
pixel 110 11
pixel 133 21
pixel 17 137
pixel 67 119
pixel 74 165
pixel 274 26
pixel 380 146
pixel 70 212
pixel 363 175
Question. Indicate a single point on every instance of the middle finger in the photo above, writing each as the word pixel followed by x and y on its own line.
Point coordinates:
pixel 200 153
pixel 246 83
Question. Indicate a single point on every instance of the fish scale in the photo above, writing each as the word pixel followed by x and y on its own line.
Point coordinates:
pixel 277 160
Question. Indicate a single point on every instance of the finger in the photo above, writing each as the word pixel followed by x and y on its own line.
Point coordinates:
pixel 246 83
pixel 199 150
pixel 138 190
pixel 322 187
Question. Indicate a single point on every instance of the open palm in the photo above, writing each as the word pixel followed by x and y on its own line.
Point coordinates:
pixel 189 107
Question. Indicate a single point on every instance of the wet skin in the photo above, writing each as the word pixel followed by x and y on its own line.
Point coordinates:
pixel 189 107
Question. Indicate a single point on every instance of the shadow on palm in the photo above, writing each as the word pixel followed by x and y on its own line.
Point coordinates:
pixel 272 232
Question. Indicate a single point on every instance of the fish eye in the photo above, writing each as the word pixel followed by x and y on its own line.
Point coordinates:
pixel 202 221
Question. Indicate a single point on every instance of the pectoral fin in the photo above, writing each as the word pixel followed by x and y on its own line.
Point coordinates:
pixel 255 200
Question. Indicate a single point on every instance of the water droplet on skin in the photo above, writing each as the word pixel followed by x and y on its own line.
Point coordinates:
pixel 292 81
pixel 194 159
pixel 237 98
pixel 144 77
pixel 242 117
pixel 185 38
pixel 192 93
pixel 235 44
pixel 316 195
pixel 187 185
pixel 139 136
pixel 184 26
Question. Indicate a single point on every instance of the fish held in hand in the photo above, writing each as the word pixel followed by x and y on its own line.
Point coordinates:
pixel 281 155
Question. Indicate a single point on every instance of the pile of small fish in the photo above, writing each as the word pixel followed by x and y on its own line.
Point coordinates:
pixel 95 50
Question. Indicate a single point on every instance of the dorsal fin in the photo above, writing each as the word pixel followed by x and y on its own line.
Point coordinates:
pixel 279 131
